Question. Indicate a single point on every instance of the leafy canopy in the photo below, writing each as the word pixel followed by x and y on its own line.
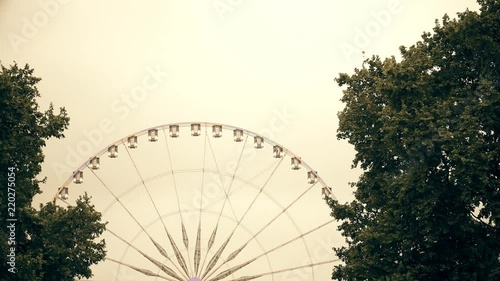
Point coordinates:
pixel 52 243
pixel 426 133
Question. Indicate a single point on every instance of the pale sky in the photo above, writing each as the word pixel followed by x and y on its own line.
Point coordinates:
pixel 267 66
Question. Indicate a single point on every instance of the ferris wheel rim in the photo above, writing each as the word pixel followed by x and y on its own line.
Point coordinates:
pixel 186 124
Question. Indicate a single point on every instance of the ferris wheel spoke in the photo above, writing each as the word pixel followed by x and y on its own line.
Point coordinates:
pixel 197 251
pixel 284 210
pixel 216 257
pixel 230 271
pixel 146 272
pixel 160 265
pixel 117 199
pixel 157 245
pixel 221 181
pixel 234 269
pixel 179 256
pixel 149 194
pixel 144 184
pixel 185 238
pixel 233 175
pixel 211 241
pixel 247 278
pixel 226 198
pixel 248 209
pixel 244 182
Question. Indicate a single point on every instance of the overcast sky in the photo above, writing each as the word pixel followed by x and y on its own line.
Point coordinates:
pixel 264 65
pixel 239 62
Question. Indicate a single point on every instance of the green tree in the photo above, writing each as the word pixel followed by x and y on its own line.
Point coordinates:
pixel 426 133
pixel 52 243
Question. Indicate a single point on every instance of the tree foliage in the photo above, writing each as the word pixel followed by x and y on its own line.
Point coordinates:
pixel 52 243
pixel 426 133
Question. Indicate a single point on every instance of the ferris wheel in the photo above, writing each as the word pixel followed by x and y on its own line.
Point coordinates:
pixel 202 201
